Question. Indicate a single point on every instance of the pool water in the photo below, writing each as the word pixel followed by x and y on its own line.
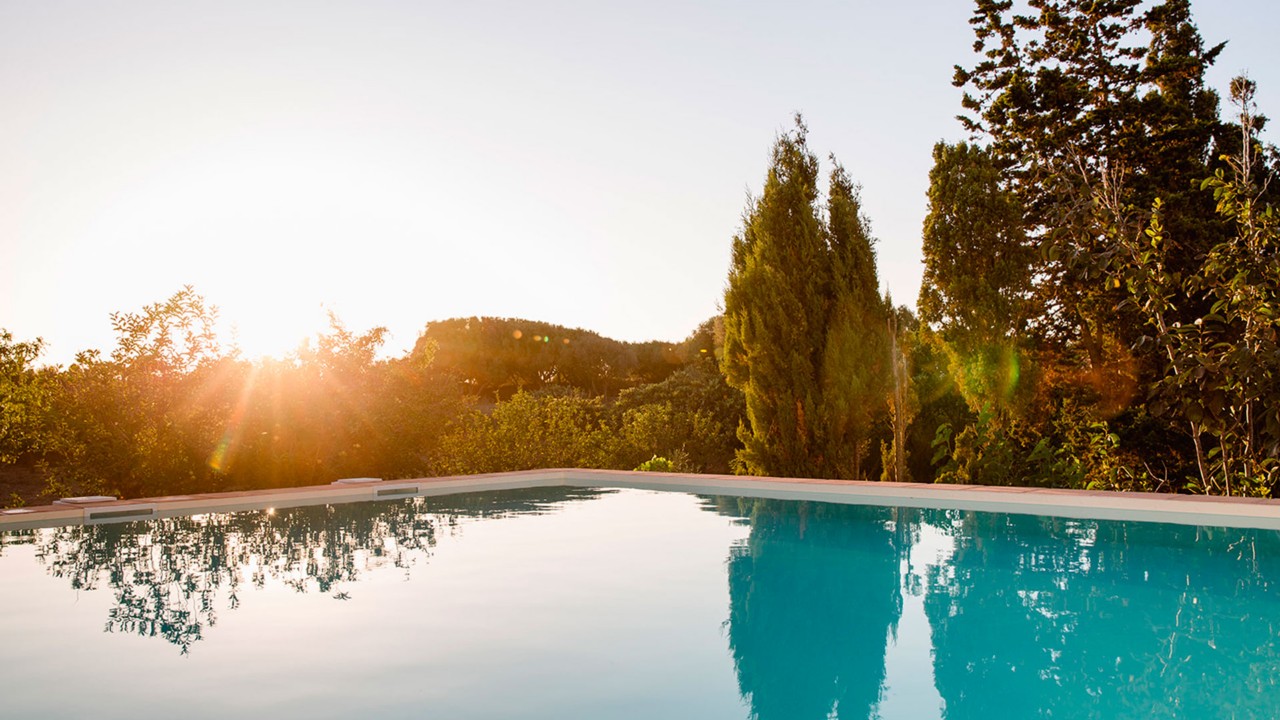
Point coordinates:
pixel 598 603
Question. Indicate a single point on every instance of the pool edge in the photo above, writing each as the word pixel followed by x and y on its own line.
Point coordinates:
pixel 1102 505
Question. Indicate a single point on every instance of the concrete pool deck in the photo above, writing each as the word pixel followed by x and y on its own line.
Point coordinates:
pixel 1102 505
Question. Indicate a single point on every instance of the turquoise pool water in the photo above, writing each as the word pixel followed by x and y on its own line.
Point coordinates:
pixel 574 603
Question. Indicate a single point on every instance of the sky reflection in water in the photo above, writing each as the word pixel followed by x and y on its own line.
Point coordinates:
pixel 566 602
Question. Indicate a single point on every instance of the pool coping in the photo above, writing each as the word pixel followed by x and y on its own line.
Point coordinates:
pixel 1087 504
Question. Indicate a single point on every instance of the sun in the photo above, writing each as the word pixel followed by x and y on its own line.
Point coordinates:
pixel 261 325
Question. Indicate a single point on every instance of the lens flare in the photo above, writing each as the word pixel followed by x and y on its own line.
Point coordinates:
pixel 990 372
pixel 220 459
pixel 1011 369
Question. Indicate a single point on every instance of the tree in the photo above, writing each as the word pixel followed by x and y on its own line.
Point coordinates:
pixel 1070 98
pixel 855 365
pixel 144 421
pixel 977 273
pixel 802 315
pixel 169 337
pixel 1222 375
pixel 1181 126
pixel 775 314
pixel 1241 277
pixel 1094 113
pixel 22 397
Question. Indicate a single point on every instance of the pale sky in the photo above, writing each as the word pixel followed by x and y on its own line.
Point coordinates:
pixel 585 164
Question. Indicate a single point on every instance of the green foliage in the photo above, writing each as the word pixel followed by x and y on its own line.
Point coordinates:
pixel 940 404
pixel 1222 372
pixel 1084 100
pixel 168 413
pixel 143 421
pixel 531 430
pixel 23 398
pixel 855 369
pixel 657 464
pixel 1077 451
pixel 692 416
pixel 690 419
pixel 167 338
pixel 775 316
pixel 1094 252
pixel 977 264
pixel 648 430
pixel 804 322
pixel 334 410
pixel 984 453
pixel 977 275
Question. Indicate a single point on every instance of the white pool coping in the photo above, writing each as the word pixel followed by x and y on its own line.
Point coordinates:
pixel 1144 507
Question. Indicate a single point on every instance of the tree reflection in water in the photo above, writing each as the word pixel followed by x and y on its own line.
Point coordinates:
pixel 814 595
pixel 1037 617
pixel 1030 617
pixel 167 574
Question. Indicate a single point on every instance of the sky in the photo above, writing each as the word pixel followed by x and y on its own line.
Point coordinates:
pixel 581 163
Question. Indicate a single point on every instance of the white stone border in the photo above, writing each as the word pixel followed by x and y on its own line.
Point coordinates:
pixel 1145 507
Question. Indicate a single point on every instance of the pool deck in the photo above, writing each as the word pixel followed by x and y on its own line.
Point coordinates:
pixel 1102 505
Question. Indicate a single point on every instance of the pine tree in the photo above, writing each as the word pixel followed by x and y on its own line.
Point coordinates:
pixel 1089 102
pixel 1179 116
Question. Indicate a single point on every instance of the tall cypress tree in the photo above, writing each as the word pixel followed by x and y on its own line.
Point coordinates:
pixel 855 368
pixel 775 314
pixel 801 315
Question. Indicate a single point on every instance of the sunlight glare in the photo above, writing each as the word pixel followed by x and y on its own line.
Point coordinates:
pixel 222 455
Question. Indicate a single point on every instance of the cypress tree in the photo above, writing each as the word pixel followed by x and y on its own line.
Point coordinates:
pixel 855 366
pixel 801 315
pixel 775 314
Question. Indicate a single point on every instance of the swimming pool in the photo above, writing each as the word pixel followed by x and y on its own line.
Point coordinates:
pixel 608 602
